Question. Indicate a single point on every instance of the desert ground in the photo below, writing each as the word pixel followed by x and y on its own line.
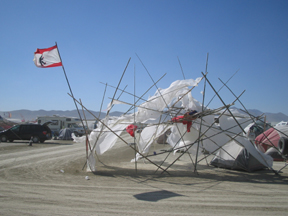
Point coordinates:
pixel 51 179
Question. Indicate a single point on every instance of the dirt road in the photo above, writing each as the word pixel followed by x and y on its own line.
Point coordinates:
pixel 47 179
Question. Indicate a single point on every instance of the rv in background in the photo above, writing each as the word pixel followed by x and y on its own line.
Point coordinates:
pixel 60 122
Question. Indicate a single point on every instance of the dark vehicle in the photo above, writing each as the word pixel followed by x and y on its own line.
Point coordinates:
pixel 25 132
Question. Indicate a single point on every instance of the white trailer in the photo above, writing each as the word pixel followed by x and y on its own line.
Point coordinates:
pixel 60 122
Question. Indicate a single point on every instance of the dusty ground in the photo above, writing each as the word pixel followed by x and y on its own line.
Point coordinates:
pixel 48 179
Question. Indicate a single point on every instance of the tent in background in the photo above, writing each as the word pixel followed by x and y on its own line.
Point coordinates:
pixel 233 156
pixel 65 134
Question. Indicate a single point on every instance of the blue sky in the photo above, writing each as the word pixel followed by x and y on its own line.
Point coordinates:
pixel 97 38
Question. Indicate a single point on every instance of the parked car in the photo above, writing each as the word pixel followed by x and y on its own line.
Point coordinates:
pixel 25 132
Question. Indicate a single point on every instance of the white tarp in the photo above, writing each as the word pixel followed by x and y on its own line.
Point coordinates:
pixel 164 98
pixel 231 155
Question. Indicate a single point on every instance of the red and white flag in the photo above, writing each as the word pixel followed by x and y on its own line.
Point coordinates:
pixel 47 57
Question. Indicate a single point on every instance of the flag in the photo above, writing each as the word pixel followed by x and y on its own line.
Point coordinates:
pixel 47 57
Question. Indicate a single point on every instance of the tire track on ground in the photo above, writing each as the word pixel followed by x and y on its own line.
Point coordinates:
pixel 36 156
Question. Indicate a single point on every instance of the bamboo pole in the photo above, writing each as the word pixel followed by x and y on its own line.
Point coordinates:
pixel 181 68
pixel 222 87
pixel 201 116
pixel 135 153
pixel 118 85
pixel 70 87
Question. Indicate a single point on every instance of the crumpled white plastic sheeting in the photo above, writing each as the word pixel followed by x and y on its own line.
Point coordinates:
pixel 147 137
pixel 213 138
pixel 104 137
pixel 179 137
pixel 148 111
pixel 152 109
pixel 219 135
pixel 213 143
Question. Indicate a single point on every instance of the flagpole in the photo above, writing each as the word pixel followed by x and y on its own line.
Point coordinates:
pixel 68 83
pixel 70 89
pixel 66 75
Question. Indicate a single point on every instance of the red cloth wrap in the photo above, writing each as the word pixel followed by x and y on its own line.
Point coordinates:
pixel 131 129
pixel 178 119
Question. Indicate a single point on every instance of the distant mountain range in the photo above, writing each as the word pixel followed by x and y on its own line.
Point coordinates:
pixel 272 118
pixel 29 115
